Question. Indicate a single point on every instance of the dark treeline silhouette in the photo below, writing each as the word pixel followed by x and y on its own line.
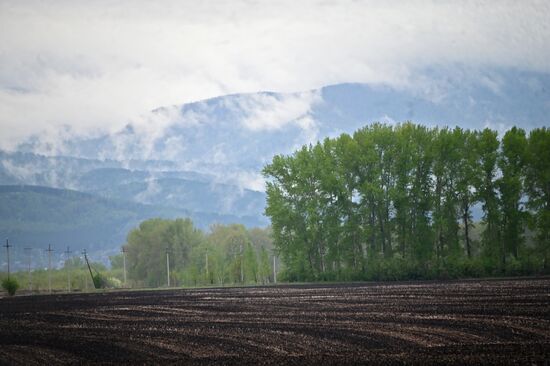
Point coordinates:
pixel 395 202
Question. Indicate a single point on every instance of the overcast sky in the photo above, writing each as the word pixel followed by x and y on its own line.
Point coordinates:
pixel 96 66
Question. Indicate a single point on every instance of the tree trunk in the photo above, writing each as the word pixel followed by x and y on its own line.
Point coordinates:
pixel 372 230
pixel 466 208
pixel 382 234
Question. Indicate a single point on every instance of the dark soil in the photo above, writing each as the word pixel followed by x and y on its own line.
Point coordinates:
pixel 466 322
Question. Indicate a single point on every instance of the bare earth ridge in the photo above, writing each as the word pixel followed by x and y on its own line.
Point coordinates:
pixel 463 322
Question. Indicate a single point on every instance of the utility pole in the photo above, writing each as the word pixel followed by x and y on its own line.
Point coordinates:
pixel 49 250
pixel 89 269
pixel 8 246
pixel 206 255
pixel 242 272
pixel 168 266
pixel 29 252
pixel 85 277
pixel 274 269
pixel 67 263
pixel 124 263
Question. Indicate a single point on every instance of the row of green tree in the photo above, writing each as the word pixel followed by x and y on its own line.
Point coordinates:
pixel 227 254
pixel 395 202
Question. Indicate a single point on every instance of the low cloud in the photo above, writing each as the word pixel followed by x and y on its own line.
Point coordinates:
pixel 500 127
pixel 267 111
pixel 97 67
pixel 40 171
pixel 244 179
pixel 150 192
pixel 144 132
pixel 21 172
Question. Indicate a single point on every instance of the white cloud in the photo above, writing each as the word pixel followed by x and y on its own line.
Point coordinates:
pixel 491 83
pixel 310 130
pixel 500 127
pixel 387 120
pixel 96 66
pixel 174 148
pixel 150 192
pixel 271 112
pixel 244 179
pixel 23 172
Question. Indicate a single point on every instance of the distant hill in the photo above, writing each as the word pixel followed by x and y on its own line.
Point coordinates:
pixel 33 216
pixel 181 190
pixel 203 159
pixel 237 134
pixel 148 182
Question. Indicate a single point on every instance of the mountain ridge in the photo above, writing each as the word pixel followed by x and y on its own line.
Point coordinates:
pixel 35 216
pixel 206 156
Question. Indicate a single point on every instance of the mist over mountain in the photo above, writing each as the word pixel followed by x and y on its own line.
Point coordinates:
pixel 205 158
pixel 231 137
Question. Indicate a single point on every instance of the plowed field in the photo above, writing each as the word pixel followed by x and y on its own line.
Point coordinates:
pixel 467 322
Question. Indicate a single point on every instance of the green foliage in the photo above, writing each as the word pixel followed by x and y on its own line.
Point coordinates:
pixel 227 254
pixel 99 281
pixel 116 261
pixel 78 272
pixel 512 164
pixel 487 149
pixel 10 285
pixel 394 202
pixel 538 188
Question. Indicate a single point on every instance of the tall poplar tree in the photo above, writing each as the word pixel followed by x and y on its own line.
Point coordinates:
pixel 467 173
pixel 511 163
pixel 488 150
pixel 538 188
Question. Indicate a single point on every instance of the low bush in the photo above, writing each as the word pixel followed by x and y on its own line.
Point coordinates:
pixel 10 285
pixel 99 281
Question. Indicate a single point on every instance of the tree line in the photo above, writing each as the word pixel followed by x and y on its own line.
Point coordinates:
pixel 393 202
pixel 227 254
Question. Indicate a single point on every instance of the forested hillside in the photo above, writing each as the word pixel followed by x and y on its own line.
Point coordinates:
pixel 33 216
pixel 394 202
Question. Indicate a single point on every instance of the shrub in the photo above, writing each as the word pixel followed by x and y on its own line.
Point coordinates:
pixel 10 285
pixel 114 282
pixel 99 281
